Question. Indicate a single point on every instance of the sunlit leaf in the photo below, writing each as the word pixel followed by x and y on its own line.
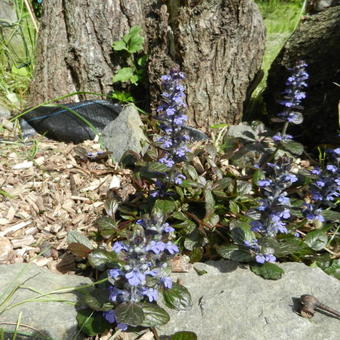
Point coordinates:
pixel 184 335
pixel 153 315
pixel 101 259
pixel 178 297
pixel 316 239
pixel 130 313
pixel 269 271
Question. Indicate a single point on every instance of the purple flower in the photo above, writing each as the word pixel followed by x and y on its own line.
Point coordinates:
pixel 150 293
pixel 166 281
pixel 155 246
pixel 171 248
pixel 119 246
pixel 264 182
pixel 135 277
pixel 167 228
pixel 179 178
pixel 114 273
pixel 110 316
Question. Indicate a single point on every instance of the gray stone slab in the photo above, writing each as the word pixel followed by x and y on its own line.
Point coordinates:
pixel 56 320
pixel 232 303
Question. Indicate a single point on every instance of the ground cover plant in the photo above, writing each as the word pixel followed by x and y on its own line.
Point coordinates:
pixel 252 195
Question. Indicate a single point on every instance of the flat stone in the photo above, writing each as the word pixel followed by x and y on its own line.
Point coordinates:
pixel 232 303
pixel 56 320
pixel 125 133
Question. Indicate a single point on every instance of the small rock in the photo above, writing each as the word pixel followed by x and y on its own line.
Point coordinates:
pixel 5 248
pixel 125 133
pixel 4 112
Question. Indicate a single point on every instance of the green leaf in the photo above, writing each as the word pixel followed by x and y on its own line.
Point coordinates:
pixel 184 335
pixel 332 269
pixel 225 251
pixel 196 254
pixel 134 40
pixel 234 208
pixel 191 171
pixel 166 207
pixel 268 271
pixel 241 256
pixel 193 239
pixel 97 299
pixel 74 236
pixel 316 239
pixel 186 226
pixel 124 97
pixel 123 75
pixel 177 297
pixel 130 313
pixel 293 147
pixel 179 215
pixel 153 315
pixel 101 259
pixel 119 45
pixel 219 126
pixel 200 272
pixel 92 323
pixel 106 226
pixel 331 215
pixel 209 202
pixel 154 170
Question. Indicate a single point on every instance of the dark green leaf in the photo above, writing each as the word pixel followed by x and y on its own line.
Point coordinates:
pixel 195 238
pixel 332 269
pixel 97 299
pixel 186 226
pixel 316 239
pixel 178 297
pixel 183 335
pixel 241 256
pixel 179 215
pixel 269 271
pixel 154 170
pixel 92 323
pixel 101 259
pixel 191 171
pixel 153 315
pixel 258 174
pixel 293 147
pixel 166 207
pixel 130 313
pixel 196 254
pixel 190 184
pixel 226 251
pixel 224 183
pixel 106 226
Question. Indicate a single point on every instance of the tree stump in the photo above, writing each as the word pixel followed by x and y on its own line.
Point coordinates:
pixel 317 42
pixel 218 44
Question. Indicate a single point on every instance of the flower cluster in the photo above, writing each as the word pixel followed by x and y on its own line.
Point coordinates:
pixel 144 268
pixel 324 189
pixel 273 210
pixel 173 120
pixel 293 94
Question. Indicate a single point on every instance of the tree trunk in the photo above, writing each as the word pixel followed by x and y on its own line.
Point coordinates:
pixel 218 44
pixel 316 41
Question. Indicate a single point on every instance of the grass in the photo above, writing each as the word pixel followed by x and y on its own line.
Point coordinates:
pixel 17 46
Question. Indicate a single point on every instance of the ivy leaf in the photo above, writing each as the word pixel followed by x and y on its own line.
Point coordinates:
pixel 124 75
pixel 316 239
pixel 183 335
pixel 134 40
pixel 101 259
pixel 153 315
pixel 119 45
pixel 269 271
pixel 130 313
pixel 92 323
pixel 177 297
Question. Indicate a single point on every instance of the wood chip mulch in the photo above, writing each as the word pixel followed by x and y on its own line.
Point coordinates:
pixel 48 188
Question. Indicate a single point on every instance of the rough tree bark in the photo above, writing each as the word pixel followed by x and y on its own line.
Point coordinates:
pixel 219 45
